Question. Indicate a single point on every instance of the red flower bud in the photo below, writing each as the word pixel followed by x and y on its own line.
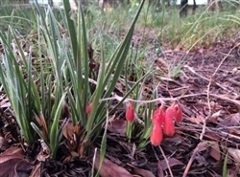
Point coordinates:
pixel 156 135
pixel 130 113
pixel 89 108
pixel 169 128
pixel 178 116
pixel 159 116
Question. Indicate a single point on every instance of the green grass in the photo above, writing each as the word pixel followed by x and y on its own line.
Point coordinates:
pixel 203 28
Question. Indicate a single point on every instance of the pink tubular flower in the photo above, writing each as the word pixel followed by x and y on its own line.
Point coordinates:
pixel 169 128
pixel 130 112
pixel 158 120
pixel 163 123
pixel 159 116
pixel 156 135
pixel 178 116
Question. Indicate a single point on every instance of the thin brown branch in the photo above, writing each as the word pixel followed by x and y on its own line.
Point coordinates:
pixel 208 91
pixel 221 97
pixel 189 164
pixel 167 162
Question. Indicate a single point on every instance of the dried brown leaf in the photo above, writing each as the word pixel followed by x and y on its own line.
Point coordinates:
pixel 202 146
pixel 117 126
pixel 5 103
pixel 3 144
pixel 232 120
pixel 172 162
pixel 196 120
pixel 70 130
pixel 109 169
pixel 160 171
pixel 12 163
pixel 143 172
pixel 37 170
pixel 215 151
pixel 235 153
pixel 212 136
pixel 15 167
pixel 234 171
pixel 12 152
pixel 215 116
pixel 42 124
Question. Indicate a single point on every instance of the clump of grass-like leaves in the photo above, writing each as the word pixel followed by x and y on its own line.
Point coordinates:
pixel 53 94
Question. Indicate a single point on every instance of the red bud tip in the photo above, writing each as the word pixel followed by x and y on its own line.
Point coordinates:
pixel 159 116
pixel 169 128
pixel 156 135
pixel 130 112
pixel 178 116
pixel 89 108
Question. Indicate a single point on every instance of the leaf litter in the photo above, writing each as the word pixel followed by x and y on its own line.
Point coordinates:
pixel 201 141
pixel 13 163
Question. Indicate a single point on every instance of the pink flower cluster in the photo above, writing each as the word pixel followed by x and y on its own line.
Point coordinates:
pixel 163 123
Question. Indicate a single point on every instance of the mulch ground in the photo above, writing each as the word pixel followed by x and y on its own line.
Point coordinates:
pixel 208 89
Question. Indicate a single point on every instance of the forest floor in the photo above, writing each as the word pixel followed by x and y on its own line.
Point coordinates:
pixel 205 81
pixel 207 141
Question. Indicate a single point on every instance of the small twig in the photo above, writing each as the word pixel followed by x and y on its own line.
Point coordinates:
pixel 170 80
pixel 234 82
pixel 116 97
pixel 226 134
pixel 194 72
pixel 167 162
pixel 209 112
pixel 119 98
pixel 205 78
pixel 208 91
pixel 222 97
pixel 189 164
